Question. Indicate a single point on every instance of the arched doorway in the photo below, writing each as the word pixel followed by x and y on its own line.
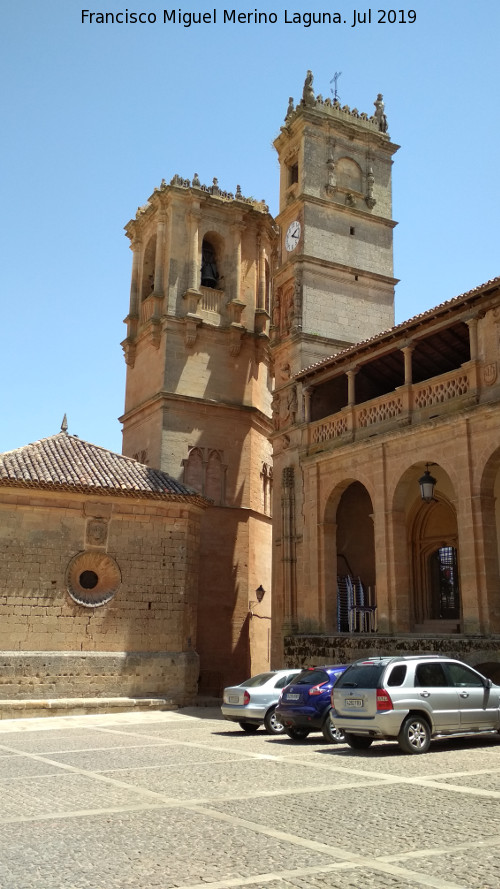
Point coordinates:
pixel 435 564
pixel 355 561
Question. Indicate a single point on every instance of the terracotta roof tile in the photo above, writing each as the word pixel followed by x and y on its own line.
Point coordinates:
pixel 66 462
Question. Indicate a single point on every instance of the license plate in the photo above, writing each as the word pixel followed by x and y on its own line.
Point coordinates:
pixel 290 697
pixel 233 699
pixel 353 702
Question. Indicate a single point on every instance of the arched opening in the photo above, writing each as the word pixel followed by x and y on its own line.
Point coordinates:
pixel 148 269
pixel 209 264
pixel 267 297
pixel 356 586
pixel 435 568
pixel 490 535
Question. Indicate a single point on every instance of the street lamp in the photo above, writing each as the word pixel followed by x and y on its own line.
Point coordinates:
pixel 427 484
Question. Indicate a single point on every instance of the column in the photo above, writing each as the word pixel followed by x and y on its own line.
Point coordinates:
pixel 407 352
pixel 159 256
pixel 261 299
pixel 237 229
pixel 134 284
pixel 351 387
pixel 472 325
pixel 307 404
pixel 194 272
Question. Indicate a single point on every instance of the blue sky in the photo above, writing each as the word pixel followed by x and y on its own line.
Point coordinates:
pixel 94 116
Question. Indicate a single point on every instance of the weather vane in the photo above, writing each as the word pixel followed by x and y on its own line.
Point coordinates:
pixel 334 92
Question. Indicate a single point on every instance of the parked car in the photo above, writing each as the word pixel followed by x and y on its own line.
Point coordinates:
pixel 412 699
pixel 304 705
pixel 253 702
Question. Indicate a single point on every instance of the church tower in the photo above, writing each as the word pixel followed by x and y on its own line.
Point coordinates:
pixel 333 286
pixel 197 402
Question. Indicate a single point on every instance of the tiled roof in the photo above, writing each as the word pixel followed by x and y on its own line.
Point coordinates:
pixel 65 462
pixel 391 332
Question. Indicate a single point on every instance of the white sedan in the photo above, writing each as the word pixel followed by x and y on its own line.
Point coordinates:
pixel 253 702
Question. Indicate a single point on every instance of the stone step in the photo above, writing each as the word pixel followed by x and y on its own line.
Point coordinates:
pixel 18 709
pixel 438 627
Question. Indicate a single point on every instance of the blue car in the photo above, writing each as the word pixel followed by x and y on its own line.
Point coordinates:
pixel 305 704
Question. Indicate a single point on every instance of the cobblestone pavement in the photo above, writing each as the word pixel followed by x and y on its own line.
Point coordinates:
pixel 184 799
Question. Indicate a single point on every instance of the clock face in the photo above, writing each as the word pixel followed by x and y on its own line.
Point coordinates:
pixel 292 236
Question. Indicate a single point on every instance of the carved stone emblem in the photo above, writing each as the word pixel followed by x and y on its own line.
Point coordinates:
pixel 490 373
pixel 97 532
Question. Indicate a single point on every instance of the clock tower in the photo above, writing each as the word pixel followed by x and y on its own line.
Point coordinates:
pixel 333 286
pixel 334 283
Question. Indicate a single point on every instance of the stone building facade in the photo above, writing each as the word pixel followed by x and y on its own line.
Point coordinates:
pixel 368 557
pixel 99 563
pixel 259 378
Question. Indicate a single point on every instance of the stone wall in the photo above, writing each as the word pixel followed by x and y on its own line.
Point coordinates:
pixel 307 650
pixel 138 636
pixel 36 675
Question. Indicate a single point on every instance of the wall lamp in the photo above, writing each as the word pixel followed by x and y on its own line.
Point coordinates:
pixel 427 484
pixel 260 592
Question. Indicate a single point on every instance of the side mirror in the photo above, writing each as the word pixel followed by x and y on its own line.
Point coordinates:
pixel 488 683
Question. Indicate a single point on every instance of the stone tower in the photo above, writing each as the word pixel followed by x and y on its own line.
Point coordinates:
pixel 197 401
pixel 333 285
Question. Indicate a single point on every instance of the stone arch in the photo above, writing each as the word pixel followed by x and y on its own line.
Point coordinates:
pixel 148 268
pixel 349 175
pixel 349 552
pixel 425 555
pixel 193 469
pixel 214 484
pixel 489 490
pixel 212 260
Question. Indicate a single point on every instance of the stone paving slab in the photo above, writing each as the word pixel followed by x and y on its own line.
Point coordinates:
pixel 166 756
pixel 182 800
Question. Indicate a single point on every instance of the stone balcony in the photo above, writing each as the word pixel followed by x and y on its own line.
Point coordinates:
pixel 407 405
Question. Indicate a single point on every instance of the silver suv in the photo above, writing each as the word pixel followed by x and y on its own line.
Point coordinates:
pixel 411 700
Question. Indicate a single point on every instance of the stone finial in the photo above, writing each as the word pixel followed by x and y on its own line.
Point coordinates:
pixel 64 424
pixel 308 92
pixel 380 117
pixel 290 108
pixel 196 180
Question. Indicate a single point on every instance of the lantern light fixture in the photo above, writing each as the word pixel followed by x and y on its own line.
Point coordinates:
pixel 427 484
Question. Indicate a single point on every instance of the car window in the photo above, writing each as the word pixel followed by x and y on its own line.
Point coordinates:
pixel 462 676
pixel 311 677
pixel 430 676
pixel 255 681
pixel 284 680
pixel 397 675
pixel 366 675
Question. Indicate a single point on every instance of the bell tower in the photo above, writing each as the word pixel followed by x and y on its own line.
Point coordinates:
pixel 333 287
pixel 197 399
pixel 334 284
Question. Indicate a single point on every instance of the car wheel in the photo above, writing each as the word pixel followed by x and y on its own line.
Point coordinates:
pixel 330 733
pixel 273 727
pixel 414 735
pixel 358 742
pixel 297 733
pixel 248 727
